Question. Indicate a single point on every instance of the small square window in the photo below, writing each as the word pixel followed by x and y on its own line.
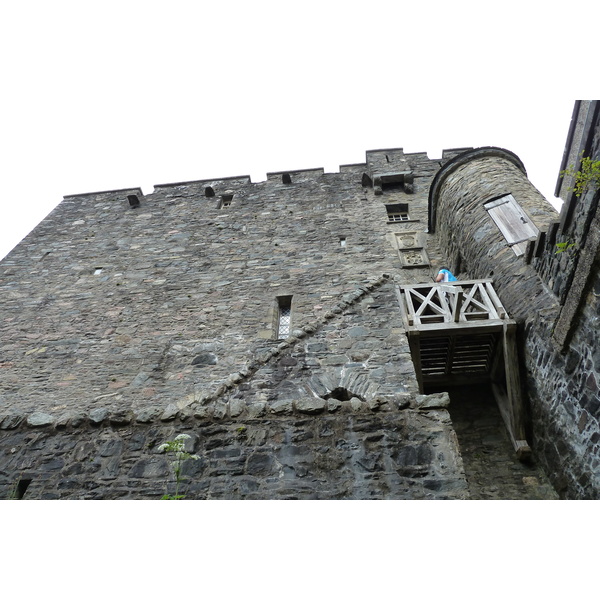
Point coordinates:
pixel 225 201
pixel 397 212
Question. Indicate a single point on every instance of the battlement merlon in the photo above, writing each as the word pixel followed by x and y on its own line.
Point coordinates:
pixel 133 190
pixel 377 155
pixel 242 179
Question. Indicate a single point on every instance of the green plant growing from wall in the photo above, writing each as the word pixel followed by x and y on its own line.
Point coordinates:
pixel 176 447
pixel 588 176
pixel 12 493
pixel 564 247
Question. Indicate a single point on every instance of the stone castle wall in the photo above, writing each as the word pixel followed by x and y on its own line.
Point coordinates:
pixel 564 388
pixel 568 383
pixel 401 455
pixel 127 319
pixel 143 316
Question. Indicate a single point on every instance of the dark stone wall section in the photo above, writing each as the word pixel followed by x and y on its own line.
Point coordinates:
pixel 565 403
pixel 401 455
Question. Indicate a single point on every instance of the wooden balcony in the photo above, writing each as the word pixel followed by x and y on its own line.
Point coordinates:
pixel 460 334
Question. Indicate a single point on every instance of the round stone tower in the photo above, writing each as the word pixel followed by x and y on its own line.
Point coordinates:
pixel 484 212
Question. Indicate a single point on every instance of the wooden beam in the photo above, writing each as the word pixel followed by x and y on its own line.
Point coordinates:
pixel 513 379
pixel 462 282
pixel 492 294
pixel 457 305
pixel 468 327
pixel 403 308
pixel 510 401
pixel 457 379
pixel 415 350
pixel 488 300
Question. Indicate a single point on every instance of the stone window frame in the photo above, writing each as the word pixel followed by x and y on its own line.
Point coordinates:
pixel 283 313
pixel 397 213
pixel 225 201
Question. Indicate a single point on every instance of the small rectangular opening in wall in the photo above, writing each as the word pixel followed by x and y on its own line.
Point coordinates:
pixel 397 212
pixel 133 200
pixel 97 270
pixel 392 186
pixel 225 201
pixel 343 242
pixel 284 316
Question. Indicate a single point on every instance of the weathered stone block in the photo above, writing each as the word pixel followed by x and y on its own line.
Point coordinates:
pixel 170 413
pixel 433 401
pixel 310 405
pixel 97 415
pixel 39 419
pixel 283 406
pixel 151 468
pixel 236 407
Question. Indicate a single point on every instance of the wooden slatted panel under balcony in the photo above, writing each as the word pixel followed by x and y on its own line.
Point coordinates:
pixel 443 357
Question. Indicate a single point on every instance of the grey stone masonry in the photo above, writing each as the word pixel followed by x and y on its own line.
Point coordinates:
pixel 129 318
pixel 172 299
pixel 341 455
pixel 262 320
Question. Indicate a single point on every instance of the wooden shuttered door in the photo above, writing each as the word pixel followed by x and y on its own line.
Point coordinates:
pixel 512 221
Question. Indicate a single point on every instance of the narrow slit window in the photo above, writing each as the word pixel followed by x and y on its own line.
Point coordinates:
pixel 284 319
pixel 397 212
pixel 343 242
pixel 512 221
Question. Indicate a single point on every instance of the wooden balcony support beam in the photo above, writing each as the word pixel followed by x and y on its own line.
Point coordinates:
pixel 510 402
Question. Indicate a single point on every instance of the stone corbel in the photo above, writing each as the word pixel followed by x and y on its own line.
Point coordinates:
pixel 406 178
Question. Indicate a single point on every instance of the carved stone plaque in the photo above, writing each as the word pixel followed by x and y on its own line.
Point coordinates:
pixel 407 240
pixel 413 258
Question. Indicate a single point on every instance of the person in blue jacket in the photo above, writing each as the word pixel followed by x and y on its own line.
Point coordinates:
pixel 445 275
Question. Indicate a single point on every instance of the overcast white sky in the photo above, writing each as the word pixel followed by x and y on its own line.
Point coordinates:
pixel 105 95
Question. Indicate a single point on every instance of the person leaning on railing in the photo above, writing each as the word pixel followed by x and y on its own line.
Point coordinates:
pixel 445 275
